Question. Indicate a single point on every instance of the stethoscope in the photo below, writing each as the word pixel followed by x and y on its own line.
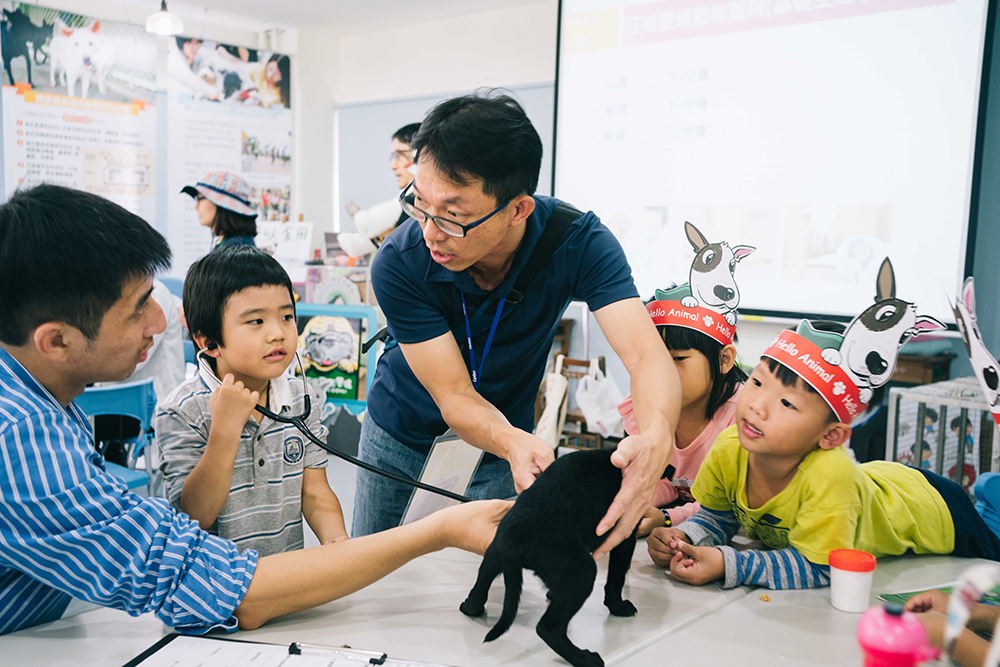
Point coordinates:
pixel 299 422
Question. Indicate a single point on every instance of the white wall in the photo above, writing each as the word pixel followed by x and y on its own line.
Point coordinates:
pixel 316 76
pixel 504 47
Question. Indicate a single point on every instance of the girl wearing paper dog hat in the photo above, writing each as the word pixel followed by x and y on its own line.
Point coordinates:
pixel 222 200
pixel 700 339
pixel 782 474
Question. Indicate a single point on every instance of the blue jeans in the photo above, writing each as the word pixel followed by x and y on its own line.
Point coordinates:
pixel 973 538
pixel 379 502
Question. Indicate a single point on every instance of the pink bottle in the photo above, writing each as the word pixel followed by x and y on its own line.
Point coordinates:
pixel 892 637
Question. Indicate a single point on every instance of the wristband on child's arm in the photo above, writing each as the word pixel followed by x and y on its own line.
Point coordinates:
pixel 666 518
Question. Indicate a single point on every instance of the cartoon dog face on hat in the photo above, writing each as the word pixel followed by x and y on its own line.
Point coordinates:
pixel 711 276
pixel 983 363
pixel 872 340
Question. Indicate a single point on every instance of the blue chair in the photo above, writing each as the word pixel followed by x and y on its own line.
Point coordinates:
pixel 130 399
pixel 175 285
pixel 190 354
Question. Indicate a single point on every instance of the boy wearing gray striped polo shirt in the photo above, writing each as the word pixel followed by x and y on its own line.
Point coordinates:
pixel 241 475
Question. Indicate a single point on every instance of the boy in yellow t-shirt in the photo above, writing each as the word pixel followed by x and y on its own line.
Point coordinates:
pixel 782 474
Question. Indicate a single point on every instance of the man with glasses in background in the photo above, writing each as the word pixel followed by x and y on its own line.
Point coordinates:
pixel 469 354
pixel 375 223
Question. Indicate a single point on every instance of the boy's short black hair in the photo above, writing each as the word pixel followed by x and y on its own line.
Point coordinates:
pixel 957 422
pixel 217 276
pixel 404 135
pixel 65 256
pixel 482 136
pixel 790 378
pixel 931 413
pixel 723 385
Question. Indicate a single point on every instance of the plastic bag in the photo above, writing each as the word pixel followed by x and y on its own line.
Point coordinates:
pixel 550 424
pixel 598 398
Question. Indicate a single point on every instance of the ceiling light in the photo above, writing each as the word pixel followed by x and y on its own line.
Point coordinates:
pixel 163 22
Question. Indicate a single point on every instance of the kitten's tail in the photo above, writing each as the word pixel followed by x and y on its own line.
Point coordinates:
pixel 512 579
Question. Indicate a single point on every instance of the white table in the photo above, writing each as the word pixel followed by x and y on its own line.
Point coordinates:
pixel 798 628
pixel 413 613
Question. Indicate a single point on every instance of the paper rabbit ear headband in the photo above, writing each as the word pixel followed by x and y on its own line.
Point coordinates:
pixel 708 302
pixel 846 368
pixel 983 363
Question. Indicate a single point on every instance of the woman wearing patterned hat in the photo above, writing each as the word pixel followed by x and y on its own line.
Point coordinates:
pixel 223 205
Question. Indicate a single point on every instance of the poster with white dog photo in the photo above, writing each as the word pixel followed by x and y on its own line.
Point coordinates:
pixel 77 104
pixel 77 56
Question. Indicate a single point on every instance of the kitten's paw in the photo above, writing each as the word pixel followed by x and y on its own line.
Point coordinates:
pixel 621 608
pixel 469 609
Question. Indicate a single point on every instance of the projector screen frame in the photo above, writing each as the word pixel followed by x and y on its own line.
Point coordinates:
pixel 972 224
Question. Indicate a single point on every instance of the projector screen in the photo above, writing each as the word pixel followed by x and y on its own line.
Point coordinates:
pixel 828 134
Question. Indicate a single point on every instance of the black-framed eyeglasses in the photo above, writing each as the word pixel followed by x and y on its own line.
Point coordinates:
pixel 449 227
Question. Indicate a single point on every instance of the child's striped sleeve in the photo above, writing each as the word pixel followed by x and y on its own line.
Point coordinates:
pixel 779 570
pixel 708 528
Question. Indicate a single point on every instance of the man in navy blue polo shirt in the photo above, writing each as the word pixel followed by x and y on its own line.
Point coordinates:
pixel 474 224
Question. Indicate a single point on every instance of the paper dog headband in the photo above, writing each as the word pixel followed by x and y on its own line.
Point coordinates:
pixel 846 368
pixel 708 302
pixel 983 363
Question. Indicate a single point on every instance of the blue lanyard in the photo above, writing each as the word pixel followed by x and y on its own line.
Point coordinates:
pixel 478 374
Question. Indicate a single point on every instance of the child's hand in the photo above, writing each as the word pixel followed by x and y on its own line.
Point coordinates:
pixel 934 624
pixel 231 405
pixel 653 518
pixel 932 600
pixel 663 544
pixel 697 565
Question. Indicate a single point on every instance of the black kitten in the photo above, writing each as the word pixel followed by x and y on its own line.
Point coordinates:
pixel 551 530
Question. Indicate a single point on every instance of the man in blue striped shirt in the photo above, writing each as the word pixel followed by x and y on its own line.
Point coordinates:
pixel 75 282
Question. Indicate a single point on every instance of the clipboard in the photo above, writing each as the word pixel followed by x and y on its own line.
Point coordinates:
pixel 177 649
pixel 450 465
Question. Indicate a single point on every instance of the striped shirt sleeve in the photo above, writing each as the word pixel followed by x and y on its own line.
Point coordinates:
pixel 779 570
pixel 67 525
pixel 708 528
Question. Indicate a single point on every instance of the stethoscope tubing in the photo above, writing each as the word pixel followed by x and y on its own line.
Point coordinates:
pixel 299 423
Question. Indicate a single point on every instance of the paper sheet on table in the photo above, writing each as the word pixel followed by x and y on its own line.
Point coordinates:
pixel 450 465
pixel 990 597
pixel 184 651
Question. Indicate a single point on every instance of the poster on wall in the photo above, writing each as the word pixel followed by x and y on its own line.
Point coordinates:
pixel 330 349
pixel 78 107
pixel 228 109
